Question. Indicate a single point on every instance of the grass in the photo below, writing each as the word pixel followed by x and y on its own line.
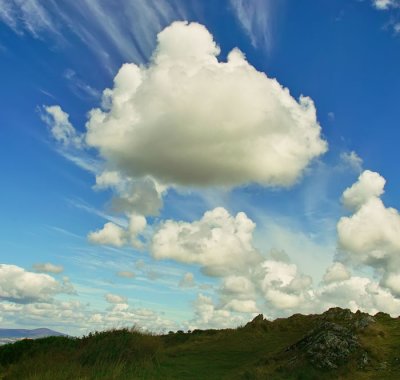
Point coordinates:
pixel 247 353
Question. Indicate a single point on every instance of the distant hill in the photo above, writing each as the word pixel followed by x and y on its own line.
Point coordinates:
pixel 25 333
pixel 337 344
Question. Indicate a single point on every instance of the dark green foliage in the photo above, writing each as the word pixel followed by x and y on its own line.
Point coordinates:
pixel 126 346
pixel 15 352
pixel 297 348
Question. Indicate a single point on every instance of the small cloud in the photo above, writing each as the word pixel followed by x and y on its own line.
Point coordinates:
pixel 386 4
pixel 48 268
pixel 126 274
pixel 187 281
pixel 115 298
pixel 242 306
pixel 47 93
pixel 115 235
pixel 331 116
pixel 79 87
pixel 353 160
pixel 110 234
pixel 60 126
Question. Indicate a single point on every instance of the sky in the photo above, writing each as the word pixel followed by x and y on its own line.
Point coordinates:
pixel 191 164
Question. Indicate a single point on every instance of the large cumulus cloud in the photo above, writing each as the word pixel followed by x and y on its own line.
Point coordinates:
pixel 190 119
pixel 371 235
pixel 21 286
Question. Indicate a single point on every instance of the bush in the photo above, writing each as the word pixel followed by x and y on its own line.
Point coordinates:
pixel 125 345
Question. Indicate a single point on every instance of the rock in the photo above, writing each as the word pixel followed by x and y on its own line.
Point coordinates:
pixel 338 313
pixel 258 319
pixel 259 322
pixel 363 321
pixel 328 346
pixel 364 360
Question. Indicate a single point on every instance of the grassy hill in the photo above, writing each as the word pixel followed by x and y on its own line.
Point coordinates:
pixel 337 344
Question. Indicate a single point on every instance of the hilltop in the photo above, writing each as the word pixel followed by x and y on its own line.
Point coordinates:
pixel 337 344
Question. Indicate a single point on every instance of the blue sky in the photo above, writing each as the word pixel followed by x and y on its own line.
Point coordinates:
pixel 208 186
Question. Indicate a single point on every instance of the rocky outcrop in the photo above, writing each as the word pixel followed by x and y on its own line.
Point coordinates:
pixel 330 345
pixel 357 320
pixel 259 322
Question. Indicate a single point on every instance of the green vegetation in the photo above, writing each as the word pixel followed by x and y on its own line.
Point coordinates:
pixel 335 345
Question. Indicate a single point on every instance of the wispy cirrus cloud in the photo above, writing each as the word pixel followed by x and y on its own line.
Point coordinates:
pixel 113 32
pixel 28 16
pixel 255 18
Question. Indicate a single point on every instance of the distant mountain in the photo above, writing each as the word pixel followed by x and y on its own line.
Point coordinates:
pixel 25 333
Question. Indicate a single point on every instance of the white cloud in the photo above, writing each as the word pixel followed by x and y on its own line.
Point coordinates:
pixel 386 4
pixel 115 298
pixel 238 287
pixel 337 272
pixel 242 306
pixel 74 317
pixel 283 287
pixel 121 315
pixel 21 286
pixel 219 242
pixel 30 16
pixel 48 268
pixel 357 293
pixel 113 34
pixel 369 185
pixel 141 196
pixel 391 281
pixel 255 18
pixel 107 179
pixel 110 234
pixel 200 115
pixel 207 315
pixel 60 126
pixel 137 225
pixel 62 315
pixel 7 15
pixel 187 281
pixel 238 294
pixel 115 235
pixel 353 160
pixel 371 236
